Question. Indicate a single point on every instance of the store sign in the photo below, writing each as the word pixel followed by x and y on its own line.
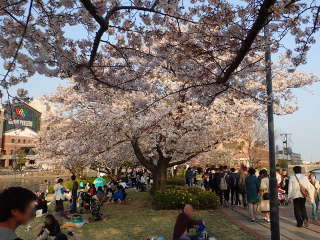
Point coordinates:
pixel 20 123
pixel 21 115
pixel 20 112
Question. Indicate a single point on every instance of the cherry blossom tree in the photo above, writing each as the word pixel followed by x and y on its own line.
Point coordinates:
pixel 159 131
pixel 207 45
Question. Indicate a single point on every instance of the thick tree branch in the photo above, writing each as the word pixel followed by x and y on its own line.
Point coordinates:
pixel 187 159
pixel 3 82
pixel 259 23
pixel 138 153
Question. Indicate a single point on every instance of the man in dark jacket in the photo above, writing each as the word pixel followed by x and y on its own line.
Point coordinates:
pixel 183 223
pixel 74 194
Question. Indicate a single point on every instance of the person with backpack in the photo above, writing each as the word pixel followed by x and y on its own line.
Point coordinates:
pixel 252 192
pixel 233 186
pixel 300 190
pixel 16 208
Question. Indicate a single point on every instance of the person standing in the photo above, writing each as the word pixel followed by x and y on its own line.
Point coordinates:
pixel 16 208
pixel 315 201
pixel 252 189
pixel 59 197
pixel 300 189
pixel 74 194
pixel 189 177
pixel 233 187
pixel 264 194
pixel 241 186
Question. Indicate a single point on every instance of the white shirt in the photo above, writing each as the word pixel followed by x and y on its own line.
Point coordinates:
pixel 58 195
pixel 294 187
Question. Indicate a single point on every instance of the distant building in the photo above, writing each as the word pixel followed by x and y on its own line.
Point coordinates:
pixel 289 155
pixel 19 127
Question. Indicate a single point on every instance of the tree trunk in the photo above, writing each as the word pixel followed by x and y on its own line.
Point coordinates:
pixel 159 177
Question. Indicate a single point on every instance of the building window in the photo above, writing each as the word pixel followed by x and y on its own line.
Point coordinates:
pixel 24 141
pixel 18 140
pixel 12 140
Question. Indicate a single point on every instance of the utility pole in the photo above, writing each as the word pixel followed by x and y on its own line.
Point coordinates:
pixel 285 143
pixel 273 186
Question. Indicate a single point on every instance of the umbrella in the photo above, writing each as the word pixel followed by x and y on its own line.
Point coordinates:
pixel 99 182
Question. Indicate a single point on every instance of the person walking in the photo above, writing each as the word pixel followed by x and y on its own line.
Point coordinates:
pixel 252 189
pixel 300 189
pixel 74 194
pixel 264 195
pixel 315 201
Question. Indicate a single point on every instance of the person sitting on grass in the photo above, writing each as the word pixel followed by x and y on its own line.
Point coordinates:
pixel 16 208
pixel 100 194
pixel 51 229
pixel 184 223
pixel 42 203
pixel 119 195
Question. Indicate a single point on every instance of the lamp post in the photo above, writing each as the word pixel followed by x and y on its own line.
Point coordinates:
pixel 273 188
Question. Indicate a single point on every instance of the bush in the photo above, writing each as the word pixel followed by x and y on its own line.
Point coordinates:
pixel 179 181
pixel 176 198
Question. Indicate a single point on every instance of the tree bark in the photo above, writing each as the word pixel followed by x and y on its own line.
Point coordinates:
pixel 159 177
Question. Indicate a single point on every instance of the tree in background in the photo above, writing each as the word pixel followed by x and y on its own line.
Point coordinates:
pixel 20 160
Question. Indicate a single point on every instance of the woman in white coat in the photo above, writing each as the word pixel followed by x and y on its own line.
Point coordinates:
pixel 59 197
pixel 264 195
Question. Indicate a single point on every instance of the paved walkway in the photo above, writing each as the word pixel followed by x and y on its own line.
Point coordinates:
pixel 261 229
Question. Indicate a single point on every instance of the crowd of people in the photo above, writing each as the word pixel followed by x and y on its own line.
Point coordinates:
pixel 243 187
pixel 249 188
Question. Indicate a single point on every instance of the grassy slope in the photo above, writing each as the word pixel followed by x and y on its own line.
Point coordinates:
pixel 136 220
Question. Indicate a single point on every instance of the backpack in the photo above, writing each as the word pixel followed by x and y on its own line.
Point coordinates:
pixel 223 183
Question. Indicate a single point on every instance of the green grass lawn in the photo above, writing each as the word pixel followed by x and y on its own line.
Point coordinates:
pixel 136 220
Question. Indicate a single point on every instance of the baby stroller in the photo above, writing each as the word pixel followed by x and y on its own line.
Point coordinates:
pixel 283 197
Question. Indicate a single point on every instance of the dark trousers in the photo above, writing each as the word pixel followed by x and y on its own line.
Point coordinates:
pixel 234 197
pixel 300 211
pixel 226 195
pixel 73 206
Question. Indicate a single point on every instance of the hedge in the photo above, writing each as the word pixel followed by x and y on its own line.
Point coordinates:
pixel 176 198
pixel 179 181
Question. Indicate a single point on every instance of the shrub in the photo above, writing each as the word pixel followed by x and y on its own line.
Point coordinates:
pixel 176 198
pixel 179 181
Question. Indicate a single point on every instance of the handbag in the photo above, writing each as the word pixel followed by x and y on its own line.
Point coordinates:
pixel 266 196
pixel 303 190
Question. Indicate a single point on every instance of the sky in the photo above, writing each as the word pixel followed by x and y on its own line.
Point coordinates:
pixel 303 125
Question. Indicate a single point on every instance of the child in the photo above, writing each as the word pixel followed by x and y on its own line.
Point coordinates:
pixel 51 228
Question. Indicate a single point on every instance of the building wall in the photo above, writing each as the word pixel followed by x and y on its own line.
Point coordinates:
pixel 11 144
